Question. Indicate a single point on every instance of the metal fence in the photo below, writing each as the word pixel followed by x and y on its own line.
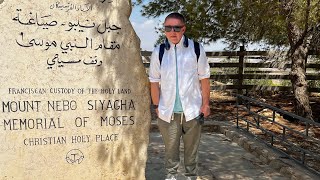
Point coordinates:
pixel 260 120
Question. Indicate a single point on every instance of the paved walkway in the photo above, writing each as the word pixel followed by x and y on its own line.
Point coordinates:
pixel 219 158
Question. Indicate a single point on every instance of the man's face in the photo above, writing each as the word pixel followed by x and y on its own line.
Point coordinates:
pixel 173 25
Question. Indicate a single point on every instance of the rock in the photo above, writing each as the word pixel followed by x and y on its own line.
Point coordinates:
pixel 74 92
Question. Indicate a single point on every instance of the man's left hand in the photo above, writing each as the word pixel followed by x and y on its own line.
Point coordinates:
pixel 205 109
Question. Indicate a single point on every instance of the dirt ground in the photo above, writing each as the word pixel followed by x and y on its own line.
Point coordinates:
pixel 223 102
pixel 223 109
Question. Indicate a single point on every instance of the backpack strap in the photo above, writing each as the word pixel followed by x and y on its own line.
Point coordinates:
pixel 197 49
pixel 161 52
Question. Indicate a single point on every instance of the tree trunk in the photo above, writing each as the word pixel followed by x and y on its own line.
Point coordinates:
pixel 298 58
pixel 298 37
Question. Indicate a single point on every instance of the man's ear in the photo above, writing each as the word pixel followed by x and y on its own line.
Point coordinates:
pixel 184 29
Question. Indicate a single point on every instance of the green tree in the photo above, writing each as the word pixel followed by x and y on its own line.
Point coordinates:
pixel 291 23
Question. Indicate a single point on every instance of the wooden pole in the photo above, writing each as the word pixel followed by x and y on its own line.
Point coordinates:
pixel 241 66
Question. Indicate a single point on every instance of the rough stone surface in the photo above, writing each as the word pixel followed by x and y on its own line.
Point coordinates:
pixel 265 153
pixel 263 159
pixel 74 93
pixel 255 154
pixel 246 145
pixel 253 147
pixel 272 157
pixel 219 159
pixel 241 141
pixel 235 138
pixel 223 130
pixel 277 164
pixel 267 157
pixel 259 150
pixel 221 167
pixel 287 171
pixel 298 176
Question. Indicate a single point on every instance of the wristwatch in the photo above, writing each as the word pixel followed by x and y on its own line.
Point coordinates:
pixel 154 106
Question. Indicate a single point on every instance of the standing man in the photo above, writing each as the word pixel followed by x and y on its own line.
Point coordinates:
pixel 180 91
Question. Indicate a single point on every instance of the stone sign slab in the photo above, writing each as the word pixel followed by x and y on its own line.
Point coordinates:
pixel 74 95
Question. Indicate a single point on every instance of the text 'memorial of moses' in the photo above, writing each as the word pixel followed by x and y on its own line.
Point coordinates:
pixel 74 95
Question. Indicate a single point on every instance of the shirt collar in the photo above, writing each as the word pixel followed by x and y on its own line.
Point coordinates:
pixel 180 44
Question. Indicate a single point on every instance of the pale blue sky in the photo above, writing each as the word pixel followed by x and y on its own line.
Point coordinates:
pixel 145 29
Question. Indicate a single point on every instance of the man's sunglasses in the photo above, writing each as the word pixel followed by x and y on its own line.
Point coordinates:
pixel 175 28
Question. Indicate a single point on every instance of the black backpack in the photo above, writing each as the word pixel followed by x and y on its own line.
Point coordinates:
pixel 185 43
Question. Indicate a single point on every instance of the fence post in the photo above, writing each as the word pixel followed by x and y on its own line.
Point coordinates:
pixel 305 63
pixel 240 70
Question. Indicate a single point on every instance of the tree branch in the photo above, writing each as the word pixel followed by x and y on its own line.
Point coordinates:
pixel 287 6
pixel 210 7
pixel 307 17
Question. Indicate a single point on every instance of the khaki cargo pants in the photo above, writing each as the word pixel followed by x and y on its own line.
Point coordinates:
pixel 171 134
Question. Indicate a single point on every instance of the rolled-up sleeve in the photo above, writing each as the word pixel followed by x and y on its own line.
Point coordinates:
pixel 154 70
pixel 203 65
